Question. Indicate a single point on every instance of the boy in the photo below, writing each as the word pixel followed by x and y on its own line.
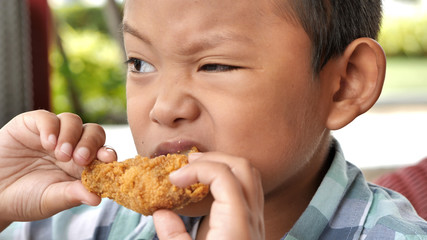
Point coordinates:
pixel 256 85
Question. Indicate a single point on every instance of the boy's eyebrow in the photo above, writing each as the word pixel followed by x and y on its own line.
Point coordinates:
pixel 203 43
pixel 126 28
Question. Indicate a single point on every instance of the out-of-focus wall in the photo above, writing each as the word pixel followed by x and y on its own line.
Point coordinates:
pixel 40 25
pixel 24 68
pixel 15 60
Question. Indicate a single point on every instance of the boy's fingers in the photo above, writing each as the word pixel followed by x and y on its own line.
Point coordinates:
pixel 43 124
pixel 48 126
pixel 106 154
pixel 70 133
pixel 248 176
pixel 236 187
pixel 65 195
pixel 92 139
pixel 230 204
pixel 169 226
pixel 224 185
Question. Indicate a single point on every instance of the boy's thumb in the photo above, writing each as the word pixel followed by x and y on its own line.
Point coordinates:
pixel 169 226
pixel 65 195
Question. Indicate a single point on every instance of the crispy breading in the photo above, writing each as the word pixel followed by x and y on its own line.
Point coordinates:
pixel 142 184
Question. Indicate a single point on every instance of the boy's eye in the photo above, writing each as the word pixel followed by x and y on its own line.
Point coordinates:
pixel 139 66
pixel 217 68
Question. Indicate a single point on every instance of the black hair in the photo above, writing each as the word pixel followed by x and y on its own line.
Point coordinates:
pixel 333 24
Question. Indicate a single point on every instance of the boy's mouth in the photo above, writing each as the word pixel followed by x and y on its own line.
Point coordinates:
pixel 180 146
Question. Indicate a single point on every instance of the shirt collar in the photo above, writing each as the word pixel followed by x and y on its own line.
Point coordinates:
pixel 327 199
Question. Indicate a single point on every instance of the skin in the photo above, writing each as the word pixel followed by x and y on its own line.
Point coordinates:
pixel 262 115
pixel 41 159
pixel 237 84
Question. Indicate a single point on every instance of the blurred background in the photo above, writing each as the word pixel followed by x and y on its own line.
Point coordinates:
pixel 67 55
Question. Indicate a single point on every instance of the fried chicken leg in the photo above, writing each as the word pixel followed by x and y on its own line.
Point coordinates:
pixel 142 184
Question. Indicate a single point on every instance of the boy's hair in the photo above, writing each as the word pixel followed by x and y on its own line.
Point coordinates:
pixel 333 24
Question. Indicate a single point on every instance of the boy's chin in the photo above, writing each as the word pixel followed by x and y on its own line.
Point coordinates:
pixel 198 209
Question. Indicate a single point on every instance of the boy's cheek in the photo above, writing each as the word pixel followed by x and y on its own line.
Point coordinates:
pixel 137 133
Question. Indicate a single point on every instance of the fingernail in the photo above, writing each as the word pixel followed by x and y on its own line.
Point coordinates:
pixel 109 149
pixel 83 152
pixel 194 156
pixel 52 139
pixel 66 149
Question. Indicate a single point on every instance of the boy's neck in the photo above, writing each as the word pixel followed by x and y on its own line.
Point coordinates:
pixel 284 206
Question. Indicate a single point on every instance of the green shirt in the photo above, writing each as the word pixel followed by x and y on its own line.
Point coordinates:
pixel 345 206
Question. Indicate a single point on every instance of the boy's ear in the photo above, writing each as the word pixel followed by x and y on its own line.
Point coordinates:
pixel 355 81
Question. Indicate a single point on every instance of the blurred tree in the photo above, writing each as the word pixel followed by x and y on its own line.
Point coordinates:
pixel 404 36
pixel 88 72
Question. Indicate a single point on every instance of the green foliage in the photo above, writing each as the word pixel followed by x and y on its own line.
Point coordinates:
pixel 404 36
pixel 94 67
pixel 83 18
pixel 406 76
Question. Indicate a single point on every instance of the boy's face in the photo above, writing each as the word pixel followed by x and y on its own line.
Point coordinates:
pixel 227 76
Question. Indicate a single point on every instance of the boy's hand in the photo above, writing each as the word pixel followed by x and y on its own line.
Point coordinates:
pixel 41 159
pixel 237 209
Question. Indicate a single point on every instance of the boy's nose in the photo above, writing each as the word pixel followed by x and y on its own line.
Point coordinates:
pixel 174 105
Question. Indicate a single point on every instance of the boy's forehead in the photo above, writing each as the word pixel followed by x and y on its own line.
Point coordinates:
pixel 280 8
pixel 189 26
